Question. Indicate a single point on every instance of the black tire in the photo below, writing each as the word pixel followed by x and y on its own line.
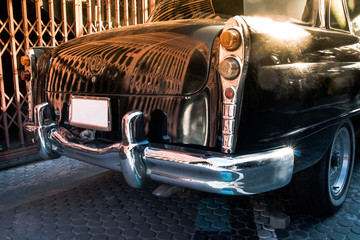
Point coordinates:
pixel 322 189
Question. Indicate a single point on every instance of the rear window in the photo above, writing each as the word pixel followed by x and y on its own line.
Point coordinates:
pixel 296 10
pixel 337 15
pixel 291 10
pixel 354 11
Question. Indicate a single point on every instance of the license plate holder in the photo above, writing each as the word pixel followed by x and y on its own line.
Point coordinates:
pixel 90 113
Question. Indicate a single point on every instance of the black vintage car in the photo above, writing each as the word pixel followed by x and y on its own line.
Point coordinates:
pixel 224 96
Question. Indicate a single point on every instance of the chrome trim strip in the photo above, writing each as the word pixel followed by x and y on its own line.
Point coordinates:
pixel 322 13
pixel 140 160
pixel 29 85
pixel 34 55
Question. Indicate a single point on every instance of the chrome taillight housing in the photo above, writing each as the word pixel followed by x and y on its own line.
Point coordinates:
pixel 233 65
pixel 29 61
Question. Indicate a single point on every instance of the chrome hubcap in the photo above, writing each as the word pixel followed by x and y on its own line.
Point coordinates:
pixel 339 164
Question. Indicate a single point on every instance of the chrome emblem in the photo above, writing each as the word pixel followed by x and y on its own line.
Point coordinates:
pixel 96 64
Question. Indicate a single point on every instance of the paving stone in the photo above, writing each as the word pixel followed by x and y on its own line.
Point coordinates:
pixel 264 234
pixel 64 229
pixel 93 223
pixel 341 229
pixel 357 223
pixel 137 219
pixel 355 229
pixel 169 221
pixel 80 229
pixel 100 237
pixel 259 208
pixel 109 224
pixel 261 220
pixel 96 230
pixel 182 236
pixel 63 221
pixel 175 229
pixel 353 236
pixel 65 235
pixel 346 223
pixel 220 225
pixel 203 224
pixel 211 218
pixel 107 217
pixel 207 200
pixel 323 229
pixel 213 205
pixel 147 235
pixel 186 223
pixel 221 212
pixel 299 235
pixel 155 220
pixel 337 236
pixel 122 218
pixel 47 237
pixel 159 227
pixel 318 235
pixel 130 233
pixel 265 214
pixel 279 220
pixel 267 227
pixel 164 214
pixel 245 232
pixel 306 227
pixel 205 211
pixel 78 222
pixel 113 232
pixel 142 226
pixel 164 236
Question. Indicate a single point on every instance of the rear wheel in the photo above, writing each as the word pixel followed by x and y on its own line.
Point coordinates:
pixel 323 187
pixel 340 165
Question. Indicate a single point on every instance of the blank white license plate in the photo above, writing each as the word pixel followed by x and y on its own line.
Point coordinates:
pixel 90 112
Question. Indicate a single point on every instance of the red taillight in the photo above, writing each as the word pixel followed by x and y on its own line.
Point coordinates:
pixel 229 93
pixel 25 75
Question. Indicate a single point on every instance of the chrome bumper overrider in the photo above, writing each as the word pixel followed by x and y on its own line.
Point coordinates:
pixel 139 160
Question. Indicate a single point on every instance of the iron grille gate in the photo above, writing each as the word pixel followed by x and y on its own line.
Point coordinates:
pixel 29 23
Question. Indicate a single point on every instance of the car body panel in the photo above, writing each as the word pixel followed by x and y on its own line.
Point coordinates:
pixel 297 85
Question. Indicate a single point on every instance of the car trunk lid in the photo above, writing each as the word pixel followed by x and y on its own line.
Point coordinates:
pixel 169 58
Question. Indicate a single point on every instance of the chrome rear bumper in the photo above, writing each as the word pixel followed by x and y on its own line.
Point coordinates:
pixel 139 160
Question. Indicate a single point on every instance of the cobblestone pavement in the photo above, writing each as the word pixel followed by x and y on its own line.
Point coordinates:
pixel 67 199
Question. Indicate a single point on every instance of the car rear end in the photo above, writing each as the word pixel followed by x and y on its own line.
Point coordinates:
pixel 149 101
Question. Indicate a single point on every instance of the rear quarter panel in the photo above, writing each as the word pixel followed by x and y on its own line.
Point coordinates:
pixel 302 82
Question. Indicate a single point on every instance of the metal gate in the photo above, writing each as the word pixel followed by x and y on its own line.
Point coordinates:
pixel 29 23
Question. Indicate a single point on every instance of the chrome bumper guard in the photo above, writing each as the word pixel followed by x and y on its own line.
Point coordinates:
pixel 139 160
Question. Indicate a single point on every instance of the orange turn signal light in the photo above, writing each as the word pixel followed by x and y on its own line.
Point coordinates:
pixel 25 61
pixel 230 39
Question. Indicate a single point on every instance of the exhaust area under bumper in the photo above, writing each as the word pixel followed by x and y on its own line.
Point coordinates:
pixel 141 161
